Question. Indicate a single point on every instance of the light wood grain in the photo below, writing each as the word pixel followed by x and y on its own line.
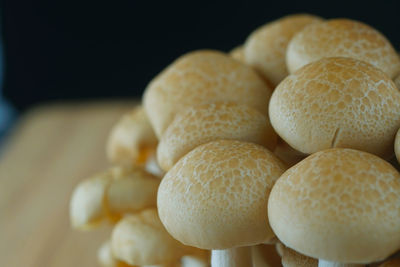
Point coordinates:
pixel 50 151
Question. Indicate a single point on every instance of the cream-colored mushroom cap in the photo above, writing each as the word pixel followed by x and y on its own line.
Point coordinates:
pixel 291 258
pixel 397 146
pixel 110 194
pixel 106 259
pixel 204 123
pixel 238 53
pixel 391 263
pixel 265 48
pixel 132 139
pixel 202 77
pixel 141 239
pixel 337 102
pixel 215 197
pixel 340 205
pixel 342 38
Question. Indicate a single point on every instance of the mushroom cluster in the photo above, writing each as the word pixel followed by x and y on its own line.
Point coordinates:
pixel 279 153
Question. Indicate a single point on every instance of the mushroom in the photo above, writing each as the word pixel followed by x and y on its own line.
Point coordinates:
pixel 202 77
pixel 204 123
pixel 291 258
pixel 132 139
pixel 342 38
pixel 215 197
pixel 110 194
pixel 106 259
pixel 391 263
pixel 238 53
pixel 141 239
pixel 397 146
pixel 337 102
pixel 340 206
pixel 265 48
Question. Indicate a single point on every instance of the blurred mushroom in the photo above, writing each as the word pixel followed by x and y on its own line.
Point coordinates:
pixel 209 122
pixel 340 206
pixel 141 239
pixel 238 53
pixel 202 77
pixel 106 259
pixel 342 38
pixel 291 258
pixel 337 102
pixel 215 197
pixel 132 139
pixel 110 194
pixel 265 48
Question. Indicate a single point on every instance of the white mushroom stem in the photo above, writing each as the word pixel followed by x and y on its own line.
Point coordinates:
pixel 234 257
pixel 323 263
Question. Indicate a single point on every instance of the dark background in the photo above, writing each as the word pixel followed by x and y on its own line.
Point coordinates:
pixel 56 50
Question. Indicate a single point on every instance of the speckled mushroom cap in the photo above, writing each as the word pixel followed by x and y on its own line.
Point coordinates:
pixel 337 102
pixel 397 146
pixel 340 205
pixel 391 263
pixel 265 48
pixel 342 38
pixel 202 77
pixel 141 239
pixel 110 194
pixel 204 123
pixel 218 190
pixel 291 258
pixel 238 53
pixel 132 139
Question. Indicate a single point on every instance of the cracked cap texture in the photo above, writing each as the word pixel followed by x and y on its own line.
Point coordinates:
pixel 210 122
pixel 216 196
pixel 339 205
pixel 337 102
pixel 202 77
pixel 342 38
pixel 265 48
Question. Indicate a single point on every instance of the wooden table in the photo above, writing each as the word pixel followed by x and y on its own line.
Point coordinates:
pixel 51 149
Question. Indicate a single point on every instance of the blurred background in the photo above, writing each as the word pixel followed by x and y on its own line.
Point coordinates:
pixel 63 50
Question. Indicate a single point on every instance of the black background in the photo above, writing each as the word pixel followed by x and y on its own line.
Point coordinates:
pixel 92 49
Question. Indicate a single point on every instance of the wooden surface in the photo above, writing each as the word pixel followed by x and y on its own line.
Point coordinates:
pixel 52 148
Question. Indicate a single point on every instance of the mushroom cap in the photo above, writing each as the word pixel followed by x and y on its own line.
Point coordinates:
pixel 337 102
pixel 238 53
pixel 204 123
pixel 218 190
pixel 291 258
pixel 106 259
pixel 109 194
pixel 132 139
pixel 340 205
pixel 342 38
pixel 141 239
pixel 265 48
pixel 202 77
pixel 397 146
pixel 391 263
